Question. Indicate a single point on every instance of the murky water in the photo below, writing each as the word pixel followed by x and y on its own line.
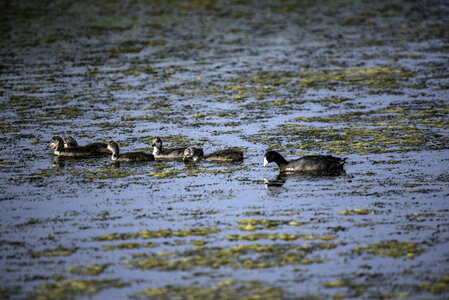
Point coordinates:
pixel 366 81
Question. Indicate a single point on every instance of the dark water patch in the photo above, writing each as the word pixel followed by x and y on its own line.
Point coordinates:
pixel 367 81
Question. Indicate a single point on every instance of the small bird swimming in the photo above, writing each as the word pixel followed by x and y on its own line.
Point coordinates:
pixel 160 153
pixel 318 163
pixel 101 148
pixel 57 146
pixel 127 157
pixel 222 155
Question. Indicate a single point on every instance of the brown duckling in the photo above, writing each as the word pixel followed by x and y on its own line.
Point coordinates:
pixel 57 145
pixel 127 157
pixel 99 147
pixel 221 155
pixel 159 153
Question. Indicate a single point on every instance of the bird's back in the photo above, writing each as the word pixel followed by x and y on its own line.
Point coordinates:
pixel 224 155
pixel 315 163
pixel 135 156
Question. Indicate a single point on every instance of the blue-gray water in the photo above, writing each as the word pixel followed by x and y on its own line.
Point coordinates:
pixel 366 81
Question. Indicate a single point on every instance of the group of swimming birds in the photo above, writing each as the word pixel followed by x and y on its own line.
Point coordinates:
pixel 68 147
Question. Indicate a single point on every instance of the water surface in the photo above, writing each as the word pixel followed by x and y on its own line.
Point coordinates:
pixel 366 81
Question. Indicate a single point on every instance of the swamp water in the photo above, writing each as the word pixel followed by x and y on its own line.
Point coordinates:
pixel 356 79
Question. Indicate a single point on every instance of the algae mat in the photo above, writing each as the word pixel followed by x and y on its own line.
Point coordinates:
pixel 366 81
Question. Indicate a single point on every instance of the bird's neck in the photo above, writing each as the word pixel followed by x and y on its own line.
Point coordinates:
pixel 157 150
pixel 280 161
pixel 58 148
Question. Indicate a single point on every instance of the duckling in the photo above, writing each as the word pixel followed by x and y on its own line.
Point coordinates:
pixel 57 145
pixel 221 155
pixel 193 153
pixel 127 157
pixel 317 163
pixel 99 147
pixel 160 153
pixel 70 142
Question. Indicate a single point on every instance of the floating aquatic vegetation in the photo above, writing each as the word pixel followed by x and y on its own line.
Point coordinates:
pixel 160 233
pixel 107 173
pixel 305 77
pixel 187 172
pixel 6 127
pixel 252 224
pixel 235 257
pixel 395 295
pixel 130 246
pixel 393 249
pixel 437 285
pixel 167 173
pixel 59 251
pixel 381 77
pixel 379 131
pixel 227 289
pixel 92 270
pixel 277 236
pixel 69 112
pixel 357 211
pixel 71 289
pixel 347 21
pixel 356 289
pixel 260 236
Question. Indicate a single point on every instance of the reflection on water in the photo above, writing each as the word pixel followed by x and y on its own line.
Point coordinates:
pixel 276 182
pixel 282 177
pixel 315 77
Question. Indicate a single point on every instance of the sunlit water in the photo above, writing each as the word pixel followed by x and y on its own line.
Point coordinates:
pixel 364 82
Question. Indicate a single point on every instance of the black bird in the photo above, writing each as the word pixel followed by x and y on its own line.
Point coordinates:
pixel 57 145
pixel 101 148
pixel 221 155
pixel 318 163
pixel 127 157
pixel 160 153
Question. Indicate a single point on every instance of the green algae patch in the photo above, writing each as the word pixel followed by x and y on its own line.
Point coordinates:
pixel 92 270
pixel 107 173
pixel 72 289
pixel 262 236
pixel 437 286
pixel 69 112
pixel 166 173
pixel 356 289
pixel 393 249
pixel 411 184
pixel 130 246
pixel 357 211
pixel 252 224
pixel 348 21
pixel 320 237
pixel 280 236
pixel 227 289
pixel 187 172
pixel 160 233
pixel 397 128
pixel 225 62
pixel 59 251
pixel 248 256
pixel 198 242
pixel 195 232
pixel 384 78
pixel 395 295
